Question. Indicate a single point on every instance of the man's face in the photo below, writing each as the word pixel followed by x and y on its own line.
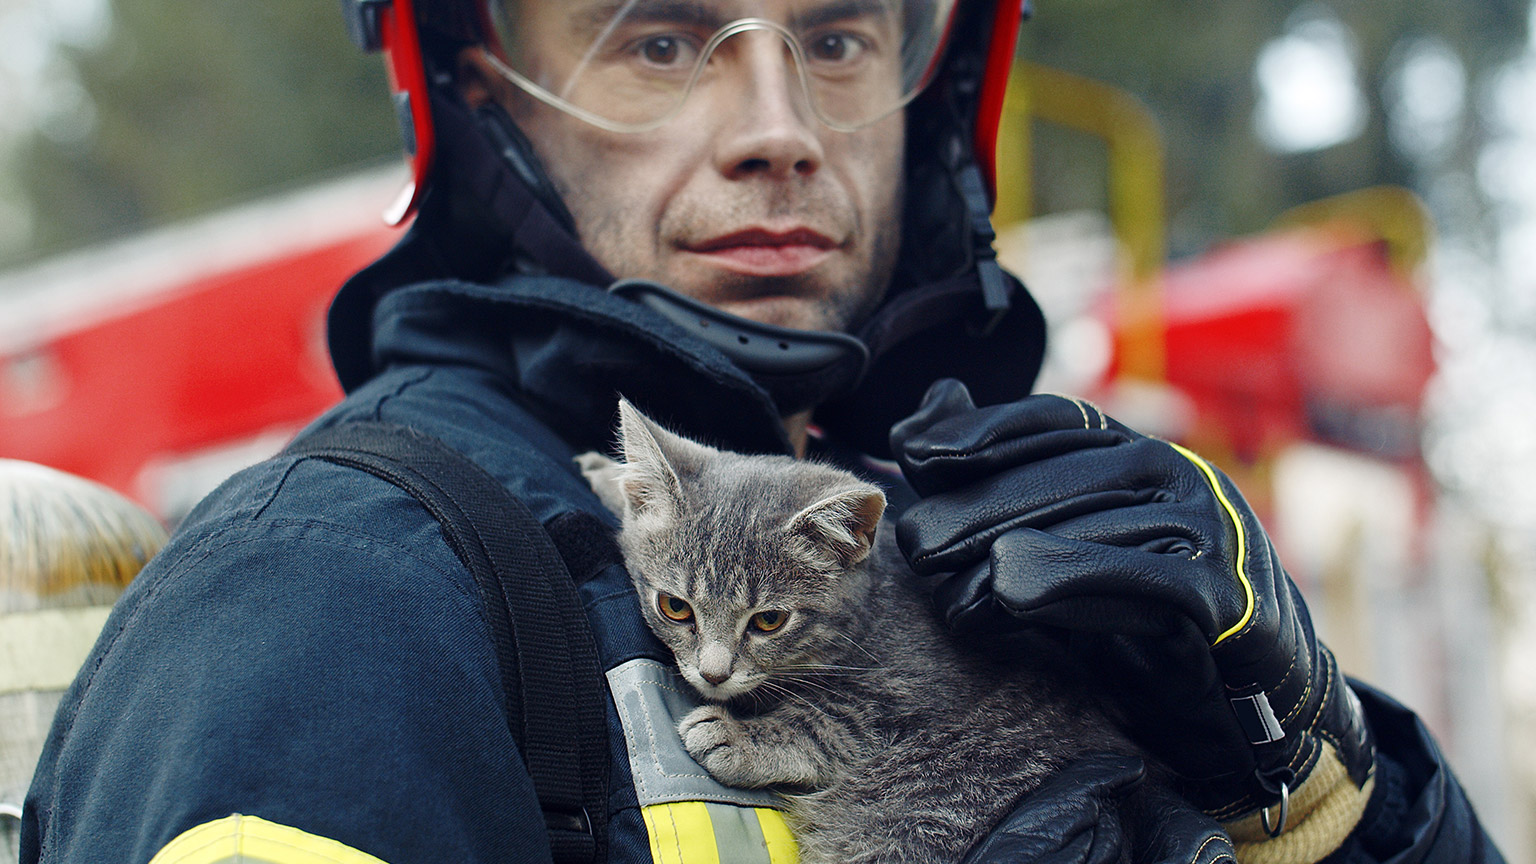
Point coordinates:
pixel 743 198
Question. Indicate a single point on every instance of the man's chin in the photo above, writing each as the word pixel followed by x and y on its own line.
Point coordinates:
pixel 781 311
pixel 802 302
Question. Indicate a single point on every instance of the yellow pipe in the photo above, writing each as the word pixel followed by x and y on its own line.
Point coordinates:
pixel 1135 180
pixel 1391 213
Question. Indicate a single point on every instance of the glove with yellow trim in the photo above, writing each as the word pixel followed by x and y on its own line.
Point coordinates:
pixel 1150 566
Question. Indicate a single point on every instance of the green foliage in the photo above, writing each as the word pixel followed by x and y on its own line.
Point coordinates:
pixel 1193 64
pixel 202 103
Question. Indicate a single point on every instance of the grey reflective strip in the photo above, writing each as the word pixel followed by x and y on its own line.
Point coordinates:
pixel 738 834
pixel 1257 719
pixel 651 698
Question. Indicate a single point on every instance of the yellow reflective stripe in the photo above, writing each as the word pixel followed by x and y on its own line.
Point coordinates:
pixel 652 831
pixel 43 649
pixel 252 840
pixel 1242 539
pixel 681 833
pixel 781 843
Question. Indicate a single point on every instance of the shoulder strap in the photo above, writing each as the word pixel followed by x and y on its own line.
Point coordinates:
pixel 544 646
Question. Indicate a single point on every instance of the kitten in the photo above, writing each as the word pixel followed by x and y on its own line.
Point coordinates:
pixel 824 671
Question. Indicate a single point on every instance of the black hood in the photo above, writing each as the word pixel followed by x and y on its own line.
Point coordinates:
pixel 490 214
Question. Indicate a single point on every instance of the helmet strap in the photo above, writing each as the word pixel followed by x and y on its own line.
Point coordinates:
pixel 517 151
pixel 994 291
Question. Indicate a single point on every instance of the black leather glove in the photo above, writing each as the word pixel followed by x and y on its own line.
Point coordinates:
pixel 1097 811
pixel 1150 566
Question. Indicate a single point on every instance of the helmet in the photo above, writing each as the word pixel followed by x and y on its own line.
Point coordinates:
pixel 485 207
pixel 404 31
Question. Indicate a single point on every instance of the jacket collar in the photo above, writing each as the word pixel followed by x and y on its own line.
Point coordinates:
pixel 568 350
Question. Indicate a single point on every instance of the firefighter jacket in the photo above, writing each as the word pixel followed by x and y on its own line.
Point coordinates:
pixel 303 674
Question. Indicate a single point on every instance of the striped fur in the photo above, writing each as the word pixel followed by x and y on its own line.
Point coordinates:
pixel 891 742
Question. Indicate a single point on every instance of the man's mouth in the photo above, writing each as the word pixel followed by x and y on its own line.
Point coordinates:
pixel 762 252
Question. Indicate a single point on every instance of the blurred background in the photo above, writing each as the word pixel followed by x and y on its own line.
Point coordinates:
pixel 1299 236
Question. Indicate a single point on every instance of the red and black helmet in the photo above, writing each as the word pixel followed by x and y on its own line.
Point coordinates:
pixel 980 37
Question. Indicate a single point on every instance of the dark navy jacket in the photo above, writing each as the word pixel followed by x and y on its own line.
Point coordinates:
pixel 307 652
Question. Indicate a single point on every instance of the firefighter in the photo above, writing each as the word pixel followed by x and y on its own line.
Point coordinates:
pixel 765 222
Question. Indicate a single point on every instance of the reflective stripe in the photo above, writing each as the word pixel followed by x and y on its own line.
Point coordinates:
pixel 738 835
pixel 691 818
pixel 696 832
pixel 776 836
pixel 1242 539
pixel 43 649
pixel 238 839
pixel 681 833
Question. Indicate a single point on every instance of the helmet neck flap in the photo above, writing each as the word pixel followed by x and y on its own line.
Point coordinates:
pixel 487 209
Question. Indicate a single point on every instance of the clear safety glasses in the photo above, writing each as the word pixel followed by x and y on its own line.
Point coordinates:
pixel 629 65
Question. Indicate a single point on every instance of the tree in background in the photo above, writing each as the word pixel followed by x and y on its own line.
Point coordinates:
pixel 196 104
pixel 1195 64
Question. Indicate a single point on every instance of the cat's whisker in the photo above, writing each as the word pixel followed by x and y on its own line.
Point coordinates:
pixel 776 687
pixel 830 667
pixel 809 682
pixel 807 675
pixel 812 705
pixel 851 641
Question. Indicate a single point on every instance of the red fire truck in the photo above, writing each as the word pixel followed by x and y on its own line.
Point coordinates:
pixel 159 364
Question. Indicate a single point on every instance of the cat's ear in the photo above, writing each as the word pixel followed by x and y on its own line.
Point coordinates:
pixel 840 529
pixel 653 458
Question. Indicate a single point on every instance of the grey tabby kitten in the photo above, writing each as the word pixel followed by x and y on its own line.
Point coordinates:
pixel 823 669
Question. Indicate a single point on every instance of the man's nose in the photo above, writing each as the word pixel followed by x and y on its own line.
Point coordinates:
pixel 771 131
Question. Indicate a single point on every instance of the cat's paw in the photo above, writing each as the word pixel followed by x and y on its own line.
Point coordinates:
pixel 720 743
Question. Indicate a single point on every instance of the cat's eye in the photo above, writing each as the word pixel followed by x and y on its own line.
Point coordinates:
pixel 674 609
pixel 769 620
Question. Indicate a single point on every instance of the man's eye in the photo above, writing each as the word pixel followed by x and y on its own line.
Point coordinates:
pixel 836 48
pixel 665 51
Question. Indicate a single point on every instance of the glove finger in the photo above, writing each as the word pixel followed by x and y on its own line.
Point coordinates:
pixel 1079 585
pixel 1189 532
pixel 966 603
pixel 1167 829
pixel 969 607
pixel 1180 528
pixel 951 530
pixel 945 398
pixel 1072 818
pixel 946 533
pixel 958 448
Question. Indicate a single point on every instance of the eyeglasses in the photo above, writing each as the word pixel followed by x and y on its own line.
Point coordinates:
pixel 629 65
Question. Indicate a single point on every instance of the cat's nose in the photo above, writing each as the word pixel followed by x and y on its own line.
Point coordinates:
pixel 715 662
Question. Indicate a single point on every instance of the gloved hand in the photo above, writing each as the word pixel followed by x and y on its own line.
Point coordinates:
pixel 1154 571
pixel 1096 810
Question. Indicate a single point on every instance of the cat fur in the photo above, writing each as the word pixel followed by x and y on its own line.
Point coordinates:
pixel 889 740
